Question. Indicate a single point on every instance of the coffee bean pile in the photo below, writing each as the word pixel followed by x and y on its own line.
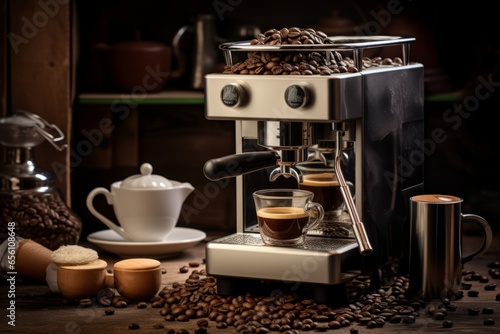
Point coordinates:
pixel 197 298
pixel 44 218
pixel 300 63
pixel 294 36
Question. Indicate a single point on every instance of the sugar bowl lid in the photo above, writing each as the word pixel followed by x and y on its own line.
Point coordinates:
pixel 146 180
pixel 137 264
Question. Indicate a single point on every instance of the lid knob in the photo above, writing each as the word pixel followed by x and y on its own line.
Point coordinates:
pixel 146 169
pixel 146 180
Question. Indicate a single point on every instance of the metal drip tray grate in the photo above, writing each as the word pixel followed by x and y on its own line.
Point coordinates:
pixel 311 243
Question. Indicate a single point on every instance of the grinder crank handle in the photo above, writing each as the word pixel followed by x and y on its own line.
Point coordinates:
pixel 357 226
pixel 239 164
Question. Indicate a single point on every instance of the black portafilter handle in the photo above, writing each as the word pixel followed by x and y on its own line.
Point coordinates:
pixel 239 164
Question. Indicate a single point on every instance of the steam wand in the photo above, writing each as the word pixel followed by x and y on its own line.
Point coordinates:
pixel 359 230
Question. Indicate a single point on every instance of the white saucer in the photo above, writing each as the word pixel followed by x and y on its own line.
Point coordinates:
pixel 179 239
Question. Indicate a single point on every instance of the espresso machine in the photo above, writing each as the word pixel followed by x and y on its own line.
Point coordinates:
pixel 366 124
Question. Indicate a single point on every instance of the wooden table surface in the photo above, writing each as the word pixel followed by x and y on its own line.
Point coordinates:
pixel 39 311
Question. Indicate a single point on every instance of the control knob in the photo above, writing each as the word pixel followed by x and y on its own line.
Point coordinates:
pixel 233 95
pixel 297 96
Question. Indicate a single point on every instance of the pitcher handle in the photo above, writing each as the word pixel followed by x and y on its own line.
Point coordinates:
pixel 320 213
pixel 487 234
pixel 98 215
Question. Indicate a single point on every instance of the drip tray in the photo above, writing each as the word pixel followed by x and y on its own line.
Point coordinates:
pixel 320 260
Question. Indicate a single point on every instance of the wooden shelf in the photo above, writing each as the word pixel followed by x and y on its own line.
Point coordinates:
pixel 164 97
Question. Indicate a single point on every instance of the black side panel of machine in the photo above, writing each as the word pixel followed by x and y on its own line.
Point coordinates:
pixel 393 130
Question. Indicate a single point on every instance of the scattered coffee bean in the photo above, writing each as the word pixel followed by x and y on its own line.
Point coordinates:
pixel 201 330
pixel 466 286
pixel 182 331
pixel 495 274
pixel 484 279
pixel 182 318
pixel 396 319
pixel 142 305
pixel 451 307
pixel 183 269
pixel 120 304
pixel 490 287
pixel 202 323
pixel 447 324
pixel 157 304
pixel 85 302
pixel 489 322
pixel 169 317
pixel 488 310
pixel 473 311
pixel 158 326
pixel 439 315
pixel 497 297
pixel 495 264
pixel 105 296
pixel 472 293
pixel 354 330
pixel 163 270
pixel 134 325
pixel 109 311
pixel 476 276
pixel 409 319
pixel 221 325
pixel 194 264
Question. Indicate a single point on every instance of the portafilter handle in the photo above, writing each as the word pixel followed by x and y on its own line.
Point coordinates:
pixel 357 226
pixel 239 164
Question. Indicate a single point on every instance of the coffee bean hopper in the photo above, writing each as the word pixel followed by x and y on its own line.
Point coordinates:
pixel 334 102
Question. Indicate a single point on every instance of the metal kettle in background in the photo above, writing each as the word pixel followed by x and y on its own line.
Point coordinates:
pixel 195 48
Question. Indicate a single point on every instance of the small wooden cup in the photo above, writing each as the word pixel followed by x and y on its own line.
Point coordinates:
pixel 137 279
pixel 81 281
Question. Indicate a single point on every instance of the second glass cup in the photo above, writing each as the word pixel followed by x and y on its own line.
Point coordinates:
pixel 286 215
pixel 322 181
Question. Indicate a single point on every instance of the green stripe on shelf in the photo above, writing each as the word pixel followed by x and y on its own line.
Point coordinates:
pixel 173 98
pixel 444 97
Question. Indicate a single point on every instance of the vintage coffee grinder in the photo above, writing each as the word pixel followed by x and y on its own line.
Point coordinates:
pixel 374 115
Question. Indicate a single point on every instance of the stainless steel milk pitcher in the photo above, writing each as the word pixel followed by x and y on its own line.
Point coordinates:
pixel 436 258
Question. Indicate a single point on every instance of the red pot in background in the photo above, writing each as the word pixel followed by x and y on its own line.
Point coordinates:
pixel 139 66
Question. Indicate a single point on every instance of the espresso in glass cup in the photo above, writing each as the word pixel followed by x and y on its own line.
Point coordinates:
pixel 285 216
pixel 322 181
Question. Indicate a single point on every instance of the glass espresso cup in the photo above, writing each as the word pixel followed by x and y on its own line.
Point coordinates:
pixel 322 181
pixel 285 215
